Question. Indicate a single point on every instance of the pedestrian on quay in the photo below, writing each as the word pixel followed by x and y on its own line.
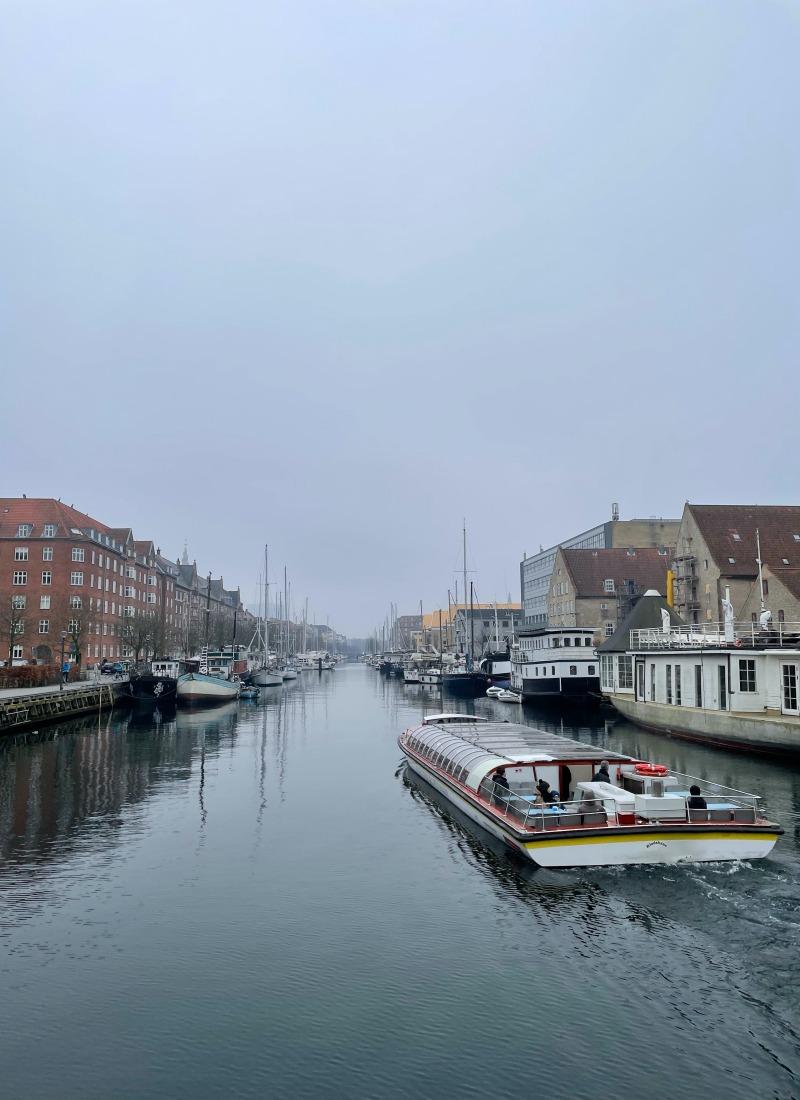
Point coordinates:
pixel 65 672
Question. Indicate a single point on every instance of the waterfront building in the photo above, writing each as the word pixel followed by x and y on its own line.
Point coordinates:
pixel 731 684
pixel 67 577
pixel 536 571
pixel 479 626
pixel 717 548
pixel 597 588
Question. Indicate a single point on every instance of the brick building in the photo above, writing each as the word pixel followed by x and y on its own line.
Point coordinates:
pixel 597 588
pixel 66 577
pixel 717 548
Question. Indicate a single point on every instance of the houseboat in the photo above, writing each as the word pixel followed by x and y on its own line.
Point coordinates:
pixel 733 685
pixel 642 814
pixel 497 666
pixel 555 662
pixel 157 685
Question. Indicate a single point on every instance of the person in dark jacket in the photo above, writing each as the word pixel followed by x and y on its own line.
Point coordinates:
pixel 602 775
pixel 500 778
pixel 547 796
pixel 696 800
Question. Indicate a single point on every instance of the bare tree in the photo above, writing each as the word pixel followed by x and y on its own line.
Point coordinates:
pixel 139 633
pixel 13 622
pixel 70 617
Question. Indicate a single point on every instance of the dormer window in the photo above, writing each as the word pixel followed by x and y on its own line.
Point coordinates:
pixel 25 530
pixel 49 530
pixel 796 538
pixel 608 584
pixel 732 561
pixel 736 536
pixel 785 561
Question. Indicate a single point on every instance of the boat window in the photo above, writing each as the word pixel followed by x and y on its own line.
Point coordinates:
pixel 573 670
pixel 591 670
pixel 568 641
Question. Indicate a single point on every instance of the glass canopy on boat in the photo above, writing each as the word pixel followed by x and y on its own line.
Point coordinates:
pixel 469 751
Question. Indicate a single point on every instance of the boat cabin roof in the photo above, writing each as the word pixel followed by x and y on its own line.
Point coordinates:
pixel 470 747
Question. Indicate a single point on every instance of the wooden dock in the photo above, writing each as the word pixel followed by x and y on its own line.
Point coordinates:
pixel 22 709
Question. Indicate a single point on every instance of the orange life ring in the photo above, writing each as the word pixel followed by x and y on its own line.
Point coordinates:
pixel 651 769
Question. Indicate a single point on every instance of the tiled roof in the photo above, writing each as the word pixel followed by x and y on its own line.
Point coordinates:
pixel 589 569
pixel 778 528
pixel 41 510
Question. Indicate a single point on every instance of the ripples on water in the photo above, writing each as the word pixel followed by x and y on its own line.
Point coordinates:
pixel 258 900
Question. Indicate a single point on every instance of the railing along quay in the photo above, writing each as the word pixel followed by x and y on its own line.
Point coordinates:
pixel 25 709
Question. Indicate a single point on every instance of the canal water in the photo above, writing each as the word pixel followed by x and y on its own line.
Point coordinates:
pixel 258 901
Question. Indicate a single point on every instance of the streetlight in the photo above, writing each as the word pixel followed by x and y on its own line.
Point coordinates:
pixel 61 668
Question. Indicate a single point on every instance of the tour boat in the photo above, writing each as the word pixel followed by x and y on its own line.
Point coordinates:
pixel 555 663
pixel 640 816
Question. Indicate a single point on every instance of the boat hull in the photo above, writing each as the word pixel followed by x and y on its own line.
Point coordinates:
pixel 652 845
pixel 198 689
pixel 573 687
pixel 262 677
pixel 469 684
pixel 148 690
pixel 289 674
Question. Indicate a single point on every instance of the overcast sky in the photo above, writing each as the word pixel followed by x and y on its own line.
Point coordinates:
pixel 336 274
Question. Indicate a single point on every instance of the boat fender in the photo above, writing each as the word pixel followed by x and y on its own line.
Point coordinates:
pixel 651 769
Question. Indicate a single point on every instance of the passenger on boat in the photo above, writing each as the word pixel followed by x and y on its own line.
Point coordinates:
pixel 500 778
pixel 545 796
pixel 696 800
pixel 602 774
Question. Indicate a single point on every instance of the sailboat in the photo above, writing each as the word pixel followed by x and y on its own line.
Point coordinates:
pixel 288 672
pixel 465 679
pixel 266 676
pixel 198 688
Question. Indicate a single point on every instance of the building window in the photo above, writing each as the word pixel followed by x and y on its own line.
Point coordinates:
pixel 44 603
pixel 669 683
pixel 47 553
pixel 73 626
pixel 49 530
pixel 44 626
pixel 18 627
pixel 677 685
pixel 747 674
pixel 78 553
pixel 765 586
pixel 25 530
pixel 18 602
pixel 76 578
pixel 625 667
pixel 129 593
pixel 608 584
pixel 151 597
pixel 16 653
pixel 609 629
pixel 20 576
pixel 75 602
pixel 21 553
pixel 47 576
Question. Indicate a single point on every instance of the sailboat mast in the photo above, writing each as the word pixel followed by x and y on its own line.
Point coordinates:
pixel 760 575
pixel 286 609
pixel 465 587
pixel 266 604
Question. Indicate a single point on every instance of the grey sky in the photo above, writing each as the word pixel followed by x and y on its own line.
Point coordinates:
pixel 335 274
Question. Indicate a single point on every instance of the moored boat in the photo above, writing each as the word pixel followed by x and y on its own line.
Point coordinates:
pixel 643 814
pixel 200 688
pixel 505 696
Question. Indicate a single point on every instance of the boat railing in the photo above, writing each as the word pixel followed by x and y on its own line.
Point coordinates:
pixel 779 635
pixel 723 804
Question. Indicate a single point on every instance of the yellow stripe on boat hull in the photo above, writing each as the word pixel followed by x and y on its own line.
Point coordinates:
pixel 648 838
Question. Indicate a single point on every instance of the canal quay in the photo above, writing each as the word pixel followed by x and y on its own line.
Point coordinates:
pixel 256 900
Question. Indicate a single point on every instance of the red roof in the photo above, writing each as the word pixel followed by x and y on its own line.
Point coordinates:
pixel 589 569
pixel 729 531
pixel 41 510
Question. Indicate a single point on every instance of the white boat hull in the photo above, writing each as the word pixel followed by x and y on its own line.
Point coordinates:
pixel 289 673
pixel 658 845
pixel 262 677
pixel 196 687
